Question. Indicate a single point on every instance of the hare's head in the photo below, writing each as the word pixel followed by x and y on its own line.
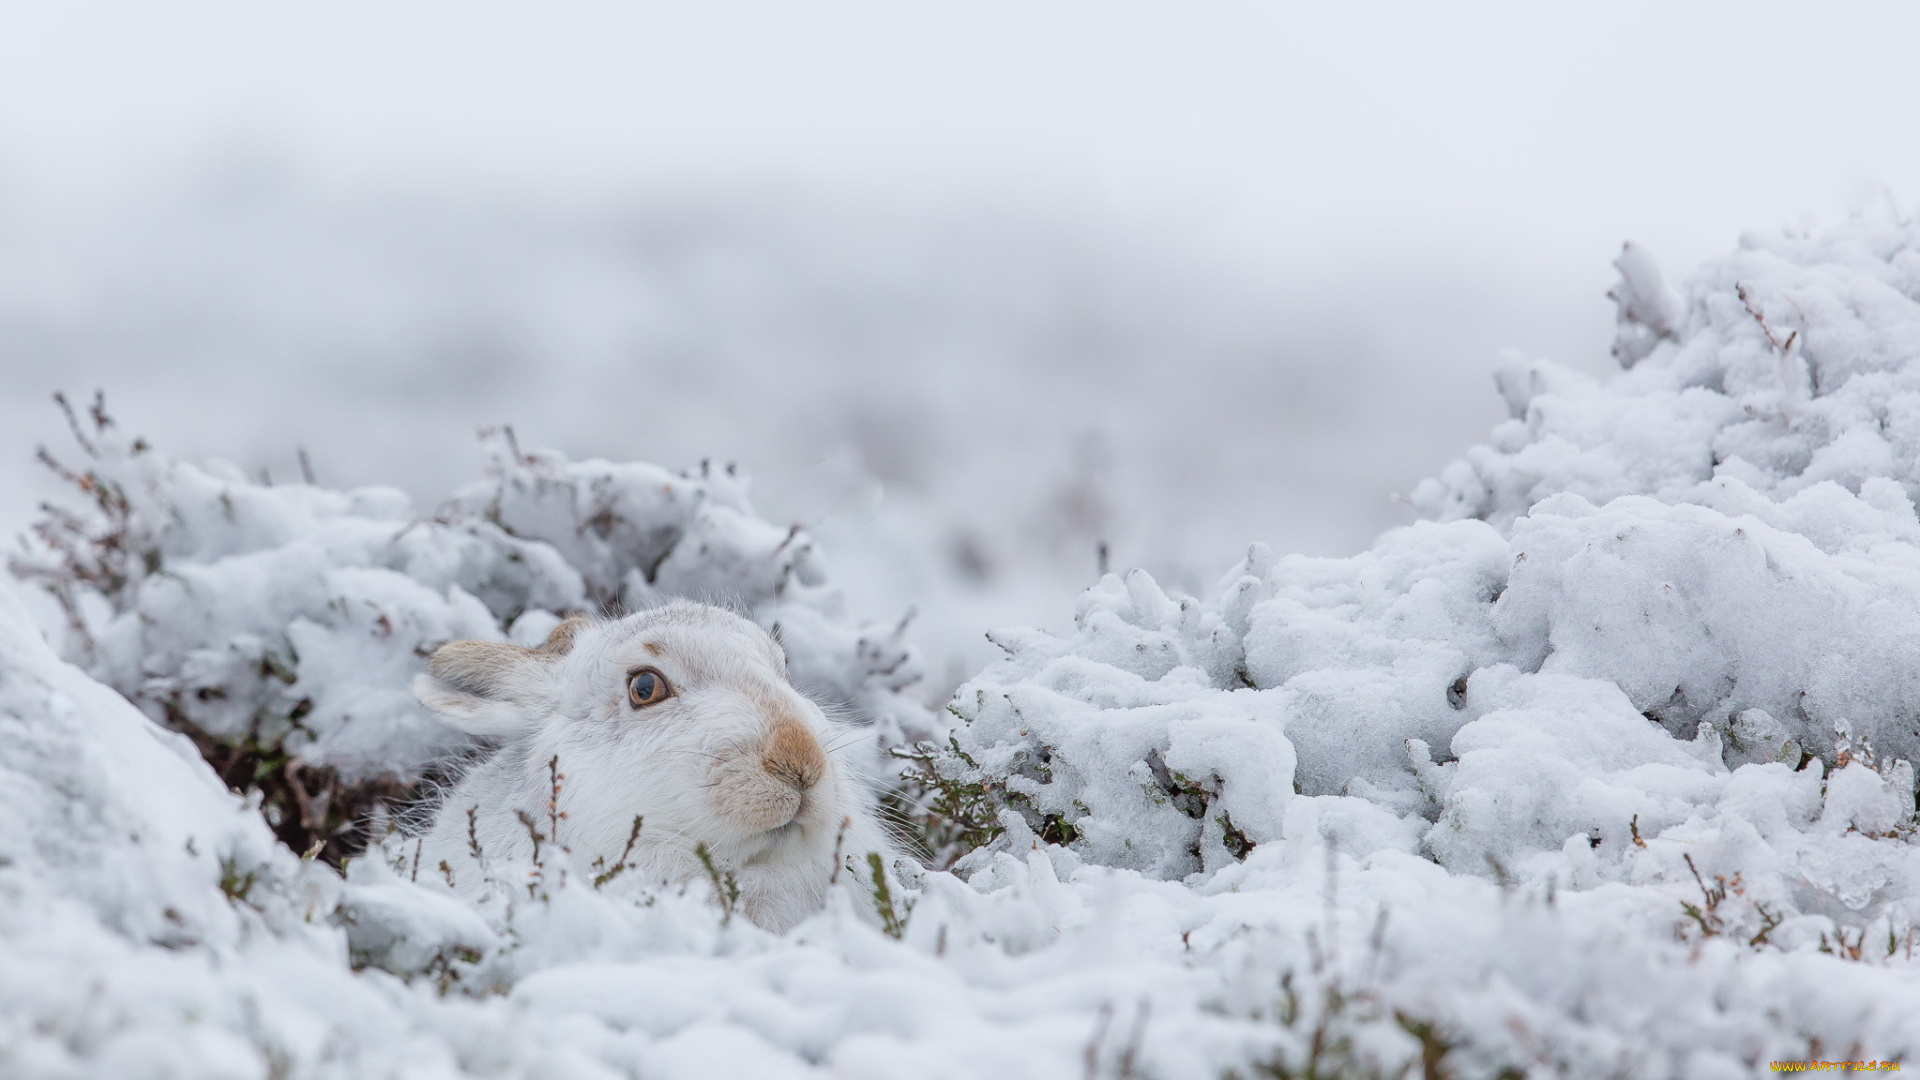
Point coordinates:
pixel 682 714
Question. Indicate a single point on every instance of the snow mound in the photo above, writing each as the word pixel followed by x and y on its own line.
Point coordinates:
pixel 151 925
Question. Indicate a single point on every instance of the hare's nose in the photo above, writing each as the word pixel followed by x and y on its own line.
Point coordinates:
pixel 794 756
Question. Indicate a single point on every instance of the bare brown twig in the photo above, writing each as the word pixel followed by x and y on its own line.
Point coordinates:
pixel 1782 346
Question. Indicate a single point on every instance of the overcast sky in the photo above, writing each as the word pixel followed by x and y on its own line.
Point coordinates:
pixel 1537 131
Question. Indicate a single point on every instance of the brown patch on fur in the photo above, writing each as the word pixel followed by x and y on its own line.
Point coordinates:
pixel 793 755
pixel 655 648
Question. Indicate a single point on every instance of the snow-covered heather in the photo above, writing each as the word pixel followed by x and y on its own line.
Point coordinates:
pixel 282 625
pixel 1602 770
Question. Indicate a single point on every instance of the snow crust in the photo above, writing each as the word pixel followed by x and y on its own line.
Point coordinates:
pixel 1601 770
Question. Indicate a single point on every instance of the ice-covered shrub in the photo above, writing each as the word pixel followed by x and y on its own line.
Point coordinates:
pixel 1787 364
pixel 279 626
pixel 1169 734
pixel 1119 742
pixel 1661 632
pixel 1771 431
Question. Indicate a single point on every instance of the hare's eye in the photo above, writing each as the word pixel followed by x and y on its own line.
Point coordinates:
pixel 647 687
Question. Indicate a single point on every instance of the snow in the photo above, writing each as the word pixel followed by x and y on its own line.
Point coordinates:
pixel 1603 769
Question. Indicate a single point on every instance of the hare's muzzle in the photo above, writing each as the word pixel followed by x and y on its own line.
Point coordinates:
pixel 794 755
pixel 770 781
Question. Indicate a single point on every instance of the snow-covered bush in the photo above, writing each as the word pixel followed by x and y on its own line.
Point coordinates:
pixel 279 626
pixel 1772 438
pixel 1661 630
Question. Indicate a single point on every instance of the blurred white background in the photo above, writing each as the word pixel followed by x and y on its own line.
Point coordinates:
pixel 967 288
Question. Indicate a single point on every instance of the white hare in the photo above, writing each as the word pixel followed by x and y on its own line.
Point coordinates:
pixel 680 717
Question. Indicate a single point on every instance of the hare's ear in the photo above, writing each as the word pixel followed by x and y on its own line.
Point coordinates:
pixel 560 641
pixel 488 688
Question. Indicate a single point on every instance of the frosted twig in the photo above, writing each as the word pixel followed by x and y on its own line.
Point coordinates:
pixel 1783 347
pixel 839 839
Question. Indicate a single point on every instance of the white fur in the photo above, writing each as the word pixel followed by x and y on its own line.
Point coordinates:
pixel 703 767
